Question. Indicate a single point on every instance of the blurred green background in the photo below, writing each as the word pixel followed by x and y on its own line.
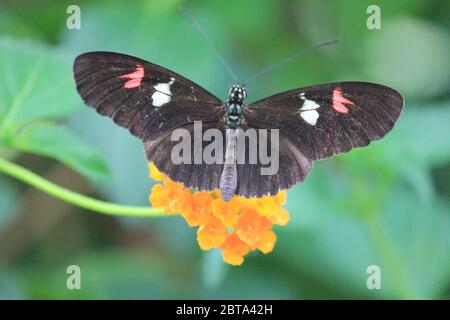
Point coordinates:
pixel 386 205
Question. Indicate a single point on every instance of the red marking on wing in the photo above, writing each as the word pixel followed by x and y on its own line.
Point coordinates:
pixel 339 100
pixel 135 77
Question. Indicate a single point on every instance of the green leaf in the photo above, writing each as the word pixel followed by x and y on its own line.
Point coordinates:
pixel 58 142
pixel 35 82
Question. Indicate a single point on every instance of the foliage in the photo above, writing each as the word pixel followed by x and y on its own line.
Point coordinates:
pixel 36 89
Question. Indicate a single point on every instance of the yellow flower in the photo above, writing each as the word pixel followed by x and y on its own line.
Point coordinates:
pixel 281 218
pixel 197 210
pixel 236 227
pixel 234 250
pixel 251 226
pixel 267 242
pixel 155 174
pixel 212 235
pixel 227 211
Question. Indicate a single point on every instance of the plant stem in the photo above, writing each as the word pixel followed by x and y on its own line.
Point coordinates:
pixel 72 197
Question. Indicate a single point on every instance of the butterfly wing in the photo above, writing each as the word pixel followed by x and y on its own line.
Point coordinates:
pixel 315 123
pixel 205 176
pixel 147 99
pixel 288 166
pixel 201 175
pixel 328 119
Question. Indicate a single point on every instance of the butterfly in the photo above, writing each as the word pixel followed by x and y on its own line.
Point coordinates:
pixel 314 122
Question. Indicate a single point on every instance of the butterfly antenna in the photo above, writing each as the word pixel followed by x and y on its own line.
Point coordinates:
pixel 211 45
pixel 289 59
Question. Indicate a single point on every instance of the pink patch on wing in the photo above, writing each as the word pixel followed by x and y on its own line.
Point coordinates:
pixel 339 100
pixel 135 77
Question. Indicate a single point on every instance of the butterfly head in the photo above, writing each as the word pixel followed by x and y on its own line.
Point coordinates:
pixel 237 93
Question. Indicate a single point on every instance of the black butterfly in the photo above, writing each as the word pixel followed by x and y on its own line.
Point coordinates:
pixel 314 122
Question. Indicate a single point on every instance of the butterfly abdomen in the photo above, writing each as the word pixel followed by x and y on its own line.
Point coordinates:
pixel 228 181
pixel 228 178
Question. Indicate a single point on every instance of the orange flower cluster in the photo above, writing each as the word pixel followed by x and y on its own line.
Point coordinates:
pixel 237 226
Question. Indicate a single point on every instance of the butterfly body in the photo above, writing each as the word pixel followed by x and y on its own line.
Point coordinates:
pixel 301 125
pixel 235 105
pixel 233 118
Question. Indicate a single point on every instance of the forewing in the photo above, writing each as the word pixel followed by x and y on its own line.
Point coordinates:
pixel 327 119
pixel 145 98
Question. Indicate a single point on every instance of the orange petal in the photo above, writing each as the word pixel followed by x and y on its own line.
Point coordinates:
pixel 281 197
pixel 234 250
pixel 282 218
pixel 160 199
pixel 198 211
pixel 267 242
pixel 211 235
pixel 226 211
pixel 251 227
pixel 267 206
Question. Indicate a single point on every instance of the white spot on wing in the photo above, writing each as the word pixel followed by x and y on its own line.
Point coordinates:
pixel 162 95
pixel 307 111
pixel 310 116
